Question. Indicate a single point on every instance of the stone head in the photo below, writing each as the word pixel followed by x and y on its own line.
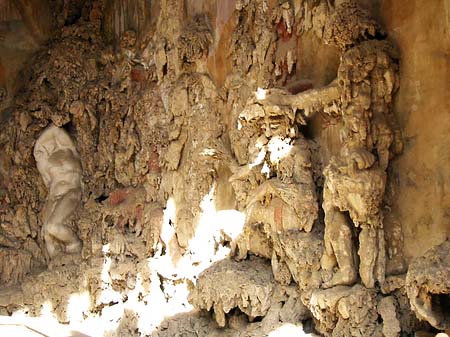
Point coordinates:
pixel 55 145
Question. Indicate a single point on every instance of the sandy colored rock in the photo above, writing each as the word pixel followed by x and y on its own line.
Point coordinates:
pixel 247 285
pixel 427 286
pixel 246 144
pixel 387 310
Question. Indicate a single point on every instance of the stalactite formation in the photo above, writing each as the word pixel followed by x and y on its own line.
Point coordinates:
pixel 162 165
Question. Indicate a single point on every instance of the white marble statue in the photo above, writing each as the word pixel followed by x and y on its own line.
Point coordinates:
pixel 59 164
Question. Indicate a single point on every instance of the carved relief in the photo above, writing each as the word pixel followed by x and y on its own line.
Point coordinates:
pixel 282 158
pixel 355 180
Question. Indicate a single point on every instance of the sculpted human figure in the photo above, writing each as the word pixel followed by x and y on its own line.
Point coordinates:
pixel 354 180
pixel 287 199
pixel 59 165
pixel 279 188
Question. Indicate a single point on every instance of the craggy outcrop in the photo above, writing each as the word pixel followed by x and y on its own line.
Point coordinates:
pixel 248 285
pixel 428 286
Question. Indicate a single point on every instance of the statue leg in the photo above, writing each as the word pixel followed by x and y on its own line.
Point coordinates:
pixel 53 248
pixel 51 244
pixel 55 230
pixel 339 242
pixel 367 255
pixel 372 256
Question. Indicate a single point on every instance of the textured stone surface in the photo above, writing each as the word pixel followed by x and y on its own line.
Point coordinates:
pixel 428 288
pixel 276 162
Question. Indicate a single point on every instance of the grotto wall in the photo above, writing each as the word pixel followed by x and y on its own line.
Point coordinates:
pixel 422 33
pixel 24 25
pixel 228 168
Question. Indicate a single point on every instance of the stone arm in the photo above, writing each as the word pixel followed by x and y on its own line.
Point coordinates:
pixel 309 100
pixel 266 190
pixel 238 172
pixel 275 188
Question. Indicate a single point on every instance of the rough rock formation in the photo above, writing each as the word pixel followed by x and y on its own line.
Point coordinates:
pixel 252 294
pixel 168 168
pixel 428 288
pixel 355 180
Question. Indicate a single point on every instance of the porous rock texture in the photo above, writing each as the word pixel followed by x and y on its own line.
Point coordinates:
pixel 428 286
pixel 214 168
pixel 252 294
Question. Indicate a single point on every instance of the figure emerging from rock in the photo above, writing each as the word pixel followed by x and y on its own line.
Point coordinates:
pixel 285 161
pixel 59 164
pixel 355 180
pixel 276 187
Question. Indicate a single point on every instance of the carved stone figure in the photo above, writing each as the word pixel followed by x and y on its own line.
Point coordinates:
pixel 59 165
pixel 287 200
pixel 275 188
pixel 355 180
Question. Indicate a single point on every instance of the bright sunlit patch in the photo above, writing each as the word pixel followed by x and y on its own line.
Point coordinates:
pixel 239 125
pixel 279 148
pixel 105 248
pixel 259 159
pixel 265 170
pixel 260 94
pixel 213 227
pixel 202 243
pixel 230 222
pixel 47 312
pixel 289 330
pixel 78 305
pixel 109 317
pixel 168 289
pixel 167 231
pixel 20 324
pixel 138 303
pixel 161 267
pixel 208 152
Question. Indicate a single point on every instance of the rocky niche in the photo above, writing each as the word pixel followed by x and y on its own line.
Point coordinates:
pixel 212 168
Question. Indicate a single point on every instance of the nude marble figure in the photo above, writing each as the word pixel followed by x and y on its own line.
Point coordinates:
pixel 59 164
